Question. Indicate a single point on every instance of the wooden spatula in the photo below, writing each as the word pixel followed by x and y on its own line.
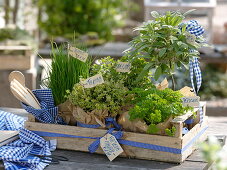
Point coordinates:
pixel 21 93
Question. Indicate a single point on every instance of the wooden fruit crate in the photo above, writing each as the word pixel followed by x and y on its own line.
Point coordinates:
pixel 164 148
pixel 16 58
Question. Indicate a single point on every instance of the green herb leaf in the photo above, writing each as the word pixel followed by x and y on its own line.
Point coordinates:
pixel 158 73
pixel 189 11
pixel 162 52
pixel 154 14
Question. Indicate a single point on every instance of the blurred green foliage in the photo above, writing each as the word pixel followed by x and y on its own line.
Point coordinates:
pixel 14 34
pixel 63 18
pixel 214 83
pixel 214 154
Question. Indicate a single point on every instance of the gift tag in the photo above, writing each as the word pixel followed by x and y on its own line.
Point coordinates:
pixel 123 67
pixel 110 146
pixel 77 53
pixel 191 101
pixel 92 81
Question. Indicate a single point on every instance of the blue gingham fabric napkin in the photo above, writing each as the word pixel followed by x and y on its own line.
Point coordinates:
pixel 17 154
pixel 48 112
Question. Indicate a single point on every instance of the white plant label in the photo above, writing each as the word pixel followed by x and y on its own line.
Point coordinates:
pixel 77 53
pixel 191 101
pixel 92 81
pixel 123 67
pixel 110 146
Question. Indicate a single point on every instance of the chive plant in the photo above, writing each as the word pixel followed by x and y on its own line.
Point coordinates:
pixel 64 72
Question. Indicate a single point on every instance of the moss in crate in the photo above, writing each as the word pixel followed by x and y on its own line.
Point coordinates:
pixel 156 106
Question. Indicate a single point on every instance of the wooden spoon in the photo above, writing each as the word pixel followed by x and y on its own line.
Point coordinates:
pixel 18 76
pixel 22 93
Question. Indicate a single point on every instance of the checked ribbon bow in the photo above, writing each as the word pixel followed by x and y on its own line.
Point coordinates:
pixel 195 29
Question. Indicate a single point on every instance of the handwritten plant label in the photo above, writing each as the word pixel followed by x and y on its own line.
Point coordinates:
pixel 77 53
pixel 123 67
pixel 191 101
pixel 190 38
pixel 110 146
pixel 92 81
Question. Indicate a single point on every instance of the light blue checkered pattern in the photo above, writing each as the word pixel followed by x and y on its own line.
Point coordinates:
pixel 48 112
pixel 195 70
pixel 16 155
pixel 194 28
pixel 201 114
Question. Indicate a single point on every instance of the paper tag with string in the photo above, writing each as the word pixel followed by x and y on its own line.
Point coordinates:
pixel 123 67
pixel 110 146
pixel 92 81
pixel 77 53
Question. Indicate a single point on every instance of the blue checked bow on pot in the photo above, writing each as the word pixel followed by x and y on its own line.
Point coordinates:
pixel 195 29
pixel 48 112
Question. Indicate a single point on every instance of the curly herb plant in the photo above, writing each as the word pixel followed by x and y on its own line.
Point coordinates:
pixel 164 44
pixel 107 67
pixel 155 106
pixel 107 96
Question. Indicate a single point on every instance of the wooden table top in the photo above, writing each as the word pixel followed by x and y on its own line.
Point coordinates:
pixel 82 160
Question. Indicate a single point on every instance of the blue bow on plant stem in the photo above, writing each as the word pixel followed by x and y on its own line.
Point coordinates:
pixel 195 29
pixel 94 146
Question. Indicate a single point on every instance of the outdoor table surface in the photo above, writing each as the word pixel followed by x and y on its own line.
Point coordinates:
pixel 82 160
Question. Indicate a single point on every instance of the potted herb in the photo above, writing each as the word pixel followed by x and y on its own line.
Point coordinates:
pixel 166 43
pixel 153 110
pixel 64 72
pixel 93 105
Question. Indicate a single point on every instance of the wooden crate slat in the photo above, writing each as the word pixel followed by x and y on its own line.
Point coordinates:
pixel 90 132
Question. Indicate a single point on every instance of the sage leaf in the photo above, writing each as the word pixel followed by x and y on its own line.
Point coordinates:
pixel 188 12
pixel 154 14
pixel 146 68
pixel 162 52
pixel 157 73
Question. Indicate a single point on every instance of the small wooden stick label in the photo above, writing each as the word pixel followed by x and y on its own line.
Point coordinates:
pixel 77 53
pixel 123 67
pixel 110 146
pixel 92 81
pixel 191 101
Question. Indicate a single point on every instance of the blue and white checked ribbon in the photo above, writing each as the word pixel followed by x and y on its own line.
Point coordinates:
pixel 94 146
pixel 16 155
pixel 195 70
pixel 48 112
pixel 108 121
pixel 194 28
